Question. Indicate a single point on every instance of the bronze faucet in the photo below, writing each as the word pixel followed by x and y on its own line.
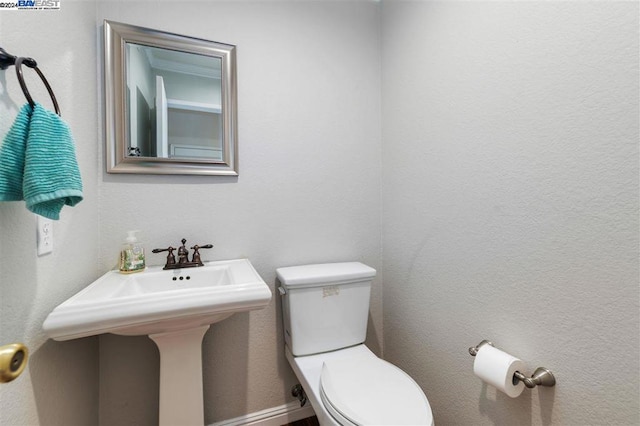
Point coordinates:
pixel 183 256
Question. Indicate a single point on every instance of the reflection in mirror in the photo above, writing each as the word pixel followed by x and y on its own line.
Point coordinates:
pixel 176 103
pixel 170 103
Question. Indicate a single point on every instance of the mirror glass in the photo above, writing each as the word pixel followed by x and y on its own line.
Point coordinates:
pixel 170 103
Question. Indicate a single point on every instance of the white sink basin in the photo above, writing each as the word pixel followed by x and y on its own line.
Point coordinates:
pixel 175 308
pixel 157 301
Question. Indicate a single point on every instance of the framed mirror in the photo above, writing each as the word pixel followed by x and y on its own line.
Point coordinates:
pixel 170 103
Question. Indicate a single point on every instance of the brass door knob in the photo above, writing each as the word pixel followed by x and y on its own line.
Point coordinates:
pixel 13 360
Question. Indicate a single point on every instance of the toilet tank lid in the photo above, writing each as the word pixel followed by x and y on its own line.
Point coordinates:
pixel 325 273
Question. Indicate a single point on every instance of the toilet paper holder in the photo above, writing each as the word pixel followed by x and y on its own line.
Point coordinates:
pixel 541 376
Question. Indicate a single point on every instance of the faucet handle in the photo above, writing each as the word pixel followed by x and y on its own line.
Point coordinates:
pixel 171 259
pixel 206 246
pixel 161 250
pixel 196 253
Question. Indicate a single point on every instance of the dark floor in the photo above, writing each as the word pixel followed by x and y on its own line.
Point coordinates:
pixel 309 421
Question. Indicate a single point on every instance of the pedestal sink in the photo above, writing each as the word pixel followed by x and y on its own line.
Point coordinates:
pixel 174 308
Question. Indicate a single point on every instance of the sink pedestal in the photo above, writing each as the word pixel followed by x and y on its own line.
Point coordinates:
pixel 181 399
pixel 174 308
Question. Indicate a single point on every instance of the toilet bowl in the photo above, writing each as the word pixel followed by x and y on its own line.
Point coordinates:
pixel 351 400
pixel 325 312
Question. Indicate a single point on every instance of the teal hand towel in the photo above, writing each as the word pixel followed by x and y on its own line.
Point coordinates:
pixel 12 156
pixel 51 175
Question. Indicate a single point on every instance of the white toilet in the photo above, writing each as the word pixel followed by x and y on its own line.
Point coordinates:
pixel 325 311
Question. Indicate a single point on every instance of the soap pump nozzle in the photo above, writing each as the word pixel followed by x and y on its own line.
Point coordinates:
pixel 131 237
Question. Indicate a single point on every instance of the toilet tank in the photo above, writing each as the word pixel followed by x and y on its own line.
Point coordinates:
pixel 325 307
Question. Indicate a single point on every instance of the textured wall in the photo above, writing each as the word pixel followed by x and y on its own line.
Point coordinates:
pixel 510 173
pixel 59 386
pixel 510 203
pixel 308 190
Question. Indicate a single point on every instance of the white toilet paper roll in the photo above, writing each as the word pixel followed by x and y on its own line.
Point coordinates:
pixel 496 368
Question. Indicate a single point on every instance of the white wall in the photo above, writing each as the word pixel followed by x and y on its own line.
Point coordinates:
pixel 59 386
pixel 308 190
pixel 510 171
pixel 510 204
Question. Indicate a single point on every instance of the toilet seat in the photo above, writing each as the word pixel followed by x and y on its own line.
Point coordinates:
pixel 366 390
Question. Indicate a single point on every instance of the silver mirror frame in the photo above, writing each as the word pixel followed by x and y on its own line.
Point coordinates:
pixel 116 35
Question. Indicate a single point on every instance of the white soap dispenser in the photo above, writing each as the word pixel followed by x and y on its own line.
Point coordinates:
pixel 131 255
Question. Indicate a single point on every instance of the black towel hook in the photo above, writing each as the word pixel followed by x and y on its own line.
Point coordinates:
pixel 31 63
pixel 7 60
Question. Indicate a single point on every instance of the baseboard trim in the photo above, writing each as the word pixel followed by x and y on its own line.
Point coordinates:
pixel 275 416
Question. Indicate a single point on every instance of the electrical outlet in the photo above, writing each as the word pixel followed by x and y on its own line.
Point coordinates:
pixel 45 235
